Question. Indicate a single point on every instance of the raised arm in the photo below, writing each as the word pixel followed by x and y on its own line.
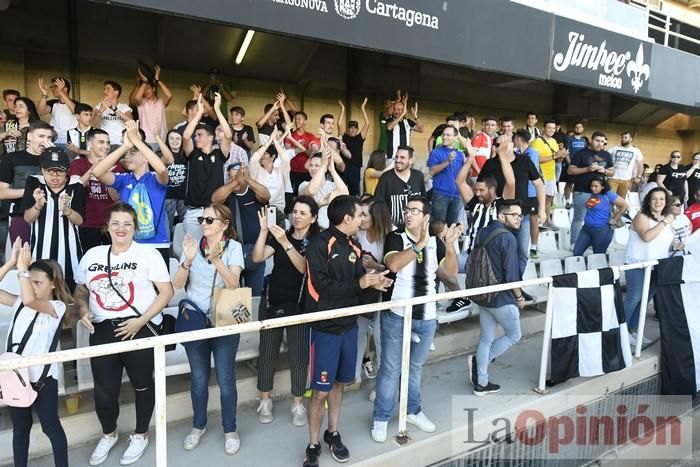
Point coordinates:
pixel 365 126
pixel 42 107
pixel 341 119
pixel 29 299
pixel 465 191
pixel 505 153
pixel 318 178
pixel 267 115
pixel 103 169
pixel 132 131
pixel 262 251
pixel 187 143
pixel 419 125
pixel 7 298
pixel 281 98
pixel 225 144
pixel 262 194
pixel 166 95
pixel 136 96
pixel 340 187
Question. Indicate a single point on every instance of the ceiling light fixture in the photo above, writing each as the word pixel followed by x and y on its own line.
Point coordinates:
pixel 244 46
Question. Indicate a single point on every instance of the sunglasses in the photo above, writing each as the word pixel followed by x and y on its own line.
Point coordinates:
pixel 675 157
pixel 676 205
pixel 208 220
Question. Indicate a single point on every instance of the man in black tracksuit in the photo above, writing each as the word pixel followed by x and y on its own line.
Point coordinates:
pixel 335 279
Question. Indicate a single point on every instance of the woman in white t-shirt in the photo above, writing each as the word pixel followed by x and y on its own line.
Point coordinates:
pixel 271 169
pixel 121 290
pixel 681 227
pixel 38 313
pixel 217 261
pixel 320 188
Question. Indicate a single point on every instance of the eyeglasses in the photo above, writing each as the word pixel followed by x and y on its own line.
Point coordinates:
pixel 413 211
pixel 121 225
pixel 516 214
pixel 55 172
pixel 208 220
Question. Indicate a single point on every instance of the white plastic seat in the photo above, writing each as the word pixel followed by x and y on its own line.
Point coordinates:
pixel 547 243
pixel 538 292
pixel 564 239
pixel 633 199
pixel 560 218
pixel 574 264
pixel 621 237
pixel 597 261
pixel 617 258
pixel 551 267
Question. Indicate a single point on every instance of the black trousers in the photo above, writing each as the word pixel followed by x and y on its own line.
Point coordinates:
pixel 107 374
pixel 298 353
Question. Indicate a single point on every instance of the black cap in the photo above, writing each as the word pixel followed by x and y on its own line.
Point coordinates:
pixel 353 123
pixel 54 158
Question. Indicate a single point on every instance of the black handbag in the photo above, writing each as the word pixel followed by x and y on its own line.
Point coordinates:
pixel 168 324
pixel 285 309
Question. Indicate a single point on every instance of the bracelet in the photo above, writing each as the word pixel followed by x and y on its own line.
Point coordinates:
pixel 38 209
pixel 185 266
pixel 67 214
pixel 415 249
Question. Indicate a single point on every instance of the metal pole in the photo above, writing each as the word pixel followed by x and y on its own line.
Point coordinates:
pixel 161 396
pixel 643 311
pixel 402 436
pixel 546 338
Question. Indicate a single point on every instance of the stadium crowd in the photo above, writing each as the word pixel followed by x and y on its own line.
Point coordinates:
pixel 94 196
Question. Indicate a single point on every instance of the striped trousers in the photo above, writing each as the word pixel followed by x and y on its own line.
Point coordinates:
pixel 297 352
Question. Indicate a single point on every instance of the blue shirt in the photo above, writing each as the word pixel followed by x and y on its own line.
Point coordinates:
pixel 124 183
pixel 598 209
pixel 535 158
pixel 576 144
pixel 444 181
pixel 503 254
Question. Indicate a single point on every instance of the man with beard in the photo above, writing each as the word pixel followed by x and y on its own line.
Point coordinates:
pixel 396 186
pixel 574 143
pixel 628 162
pixel 15 168
pixel 98 198
pixel 482 142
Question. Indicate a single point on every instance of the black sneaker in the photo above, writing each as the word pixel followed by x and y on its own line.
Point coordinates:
pixel 338 450
pixel 471 369
pixel 313 452
pixel 490 388
pixel 529 299
pixel 458 304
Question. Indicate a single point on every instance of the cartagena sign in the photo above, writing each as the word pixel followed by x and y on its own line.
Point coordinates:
pixel 351 9
pixel 614 62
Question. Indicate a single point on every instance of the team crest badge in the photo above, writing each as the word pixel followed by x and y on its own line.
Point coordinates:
pixel 352 257
pixel 324 377
pixel 348 9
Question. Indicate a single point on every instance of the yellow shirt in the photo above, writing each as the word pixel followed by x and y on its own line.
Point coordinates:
pixel 547 151
pixel 370 182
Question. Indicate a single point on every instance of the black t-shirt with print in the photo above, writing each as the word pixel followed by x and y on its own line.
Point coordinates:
pixel 675 179
pixel 15 168
pixel 247 130
pixel 205 174
pixel 177 177
pixel 285 280
pixel 584 158
pixel 266 129
pixel 693 184
pixel 395 192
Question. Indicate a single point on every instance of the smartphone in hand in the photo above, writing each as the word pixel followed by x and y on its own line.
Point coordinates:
pixel 271 216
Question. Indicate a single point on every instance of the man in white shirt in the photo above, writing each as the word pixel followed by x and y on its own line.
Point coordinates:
pixel 628 162
pixel 110 114
pixel 61 108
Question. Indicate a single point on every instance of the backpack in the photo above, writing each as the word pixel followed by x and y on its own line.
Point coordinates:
pixel 480 271
pixel 16 390
pixel 140 200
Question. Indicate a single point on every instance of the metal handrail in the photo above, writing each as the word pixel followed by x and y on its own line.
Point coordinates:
pixel 158 343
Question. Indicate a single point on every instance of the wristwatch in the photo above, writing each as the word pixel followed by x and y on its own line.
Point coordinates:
pixel 24 274
pixel 288 247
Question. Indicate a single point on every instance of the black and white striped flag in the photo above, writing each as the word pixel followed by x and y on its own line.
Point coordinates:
pixel 589 333
pixel 677 300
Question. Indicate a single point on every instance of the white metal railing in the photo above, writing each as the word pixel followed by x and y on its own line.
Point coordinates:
pixel 158 343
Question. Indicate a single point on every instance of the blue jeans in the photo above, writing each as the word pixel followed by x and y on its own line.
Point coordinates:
pixel 523 236
pixel 580 200
pixel 633 298
pixel 389 375
pixel 253 273
pixel 508 316
pixel 224 350
pixel 446 208
pixel 597 237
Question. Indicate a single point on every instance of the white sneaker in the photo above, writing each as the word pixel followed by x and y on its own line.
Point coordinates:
pixel 299 417
pixel 421 421
pixel 265 411
pixel 101 451
pixel 137 446
pixel 232 443
pixel 379 431
pixel 192 440
pixel 369 370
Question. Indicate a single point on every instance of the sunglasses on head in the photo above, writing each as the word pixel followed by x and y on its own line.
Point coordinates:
pixel 208 220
